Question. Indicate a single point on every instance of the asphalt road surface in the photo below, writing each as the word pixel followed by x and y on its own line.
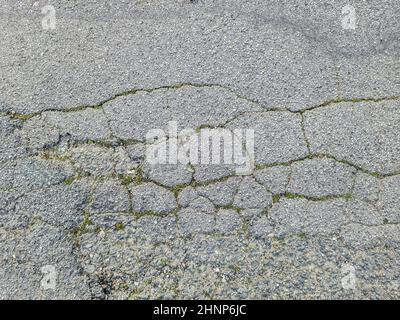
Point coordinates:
pixel 311 88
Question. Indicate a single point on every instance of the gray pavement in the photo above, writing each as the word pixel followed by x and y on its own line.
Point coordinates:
pixel 85 215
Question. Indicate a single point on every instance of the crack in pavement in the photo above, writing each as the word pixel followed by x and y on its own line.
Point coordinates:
pixel 177 86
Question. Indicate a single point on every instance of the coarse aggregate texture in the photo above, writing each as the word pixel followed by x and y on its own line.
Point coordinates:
pixel 85 215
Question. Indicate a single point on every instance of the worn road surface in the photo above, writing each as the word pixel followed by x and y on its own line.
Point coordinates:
pixel 83 215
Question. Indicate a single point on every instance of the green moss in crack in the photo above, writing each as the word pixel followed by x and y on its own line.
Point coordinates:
pixel 100 143
pixel 278 164
pixel 236 269
pixel 119 226
pixel 289 195
pixel 348 196
pixel 84 226
pixel 45 155
pixel 245 230
pixel 135 294
pixel 201 127
pixel 302 236
pixel 139 215
pixel 22 117
pixel 62 158
pixel 178 188
pixel 230 207
pixel 139 175
pixel 376 175
pixel 276 198
pixel 69 181
pixel 125 179
pixel 175 212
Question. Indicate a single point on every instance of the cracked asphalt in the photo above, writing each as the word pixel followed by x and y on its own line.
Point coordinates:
pixel 317 218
